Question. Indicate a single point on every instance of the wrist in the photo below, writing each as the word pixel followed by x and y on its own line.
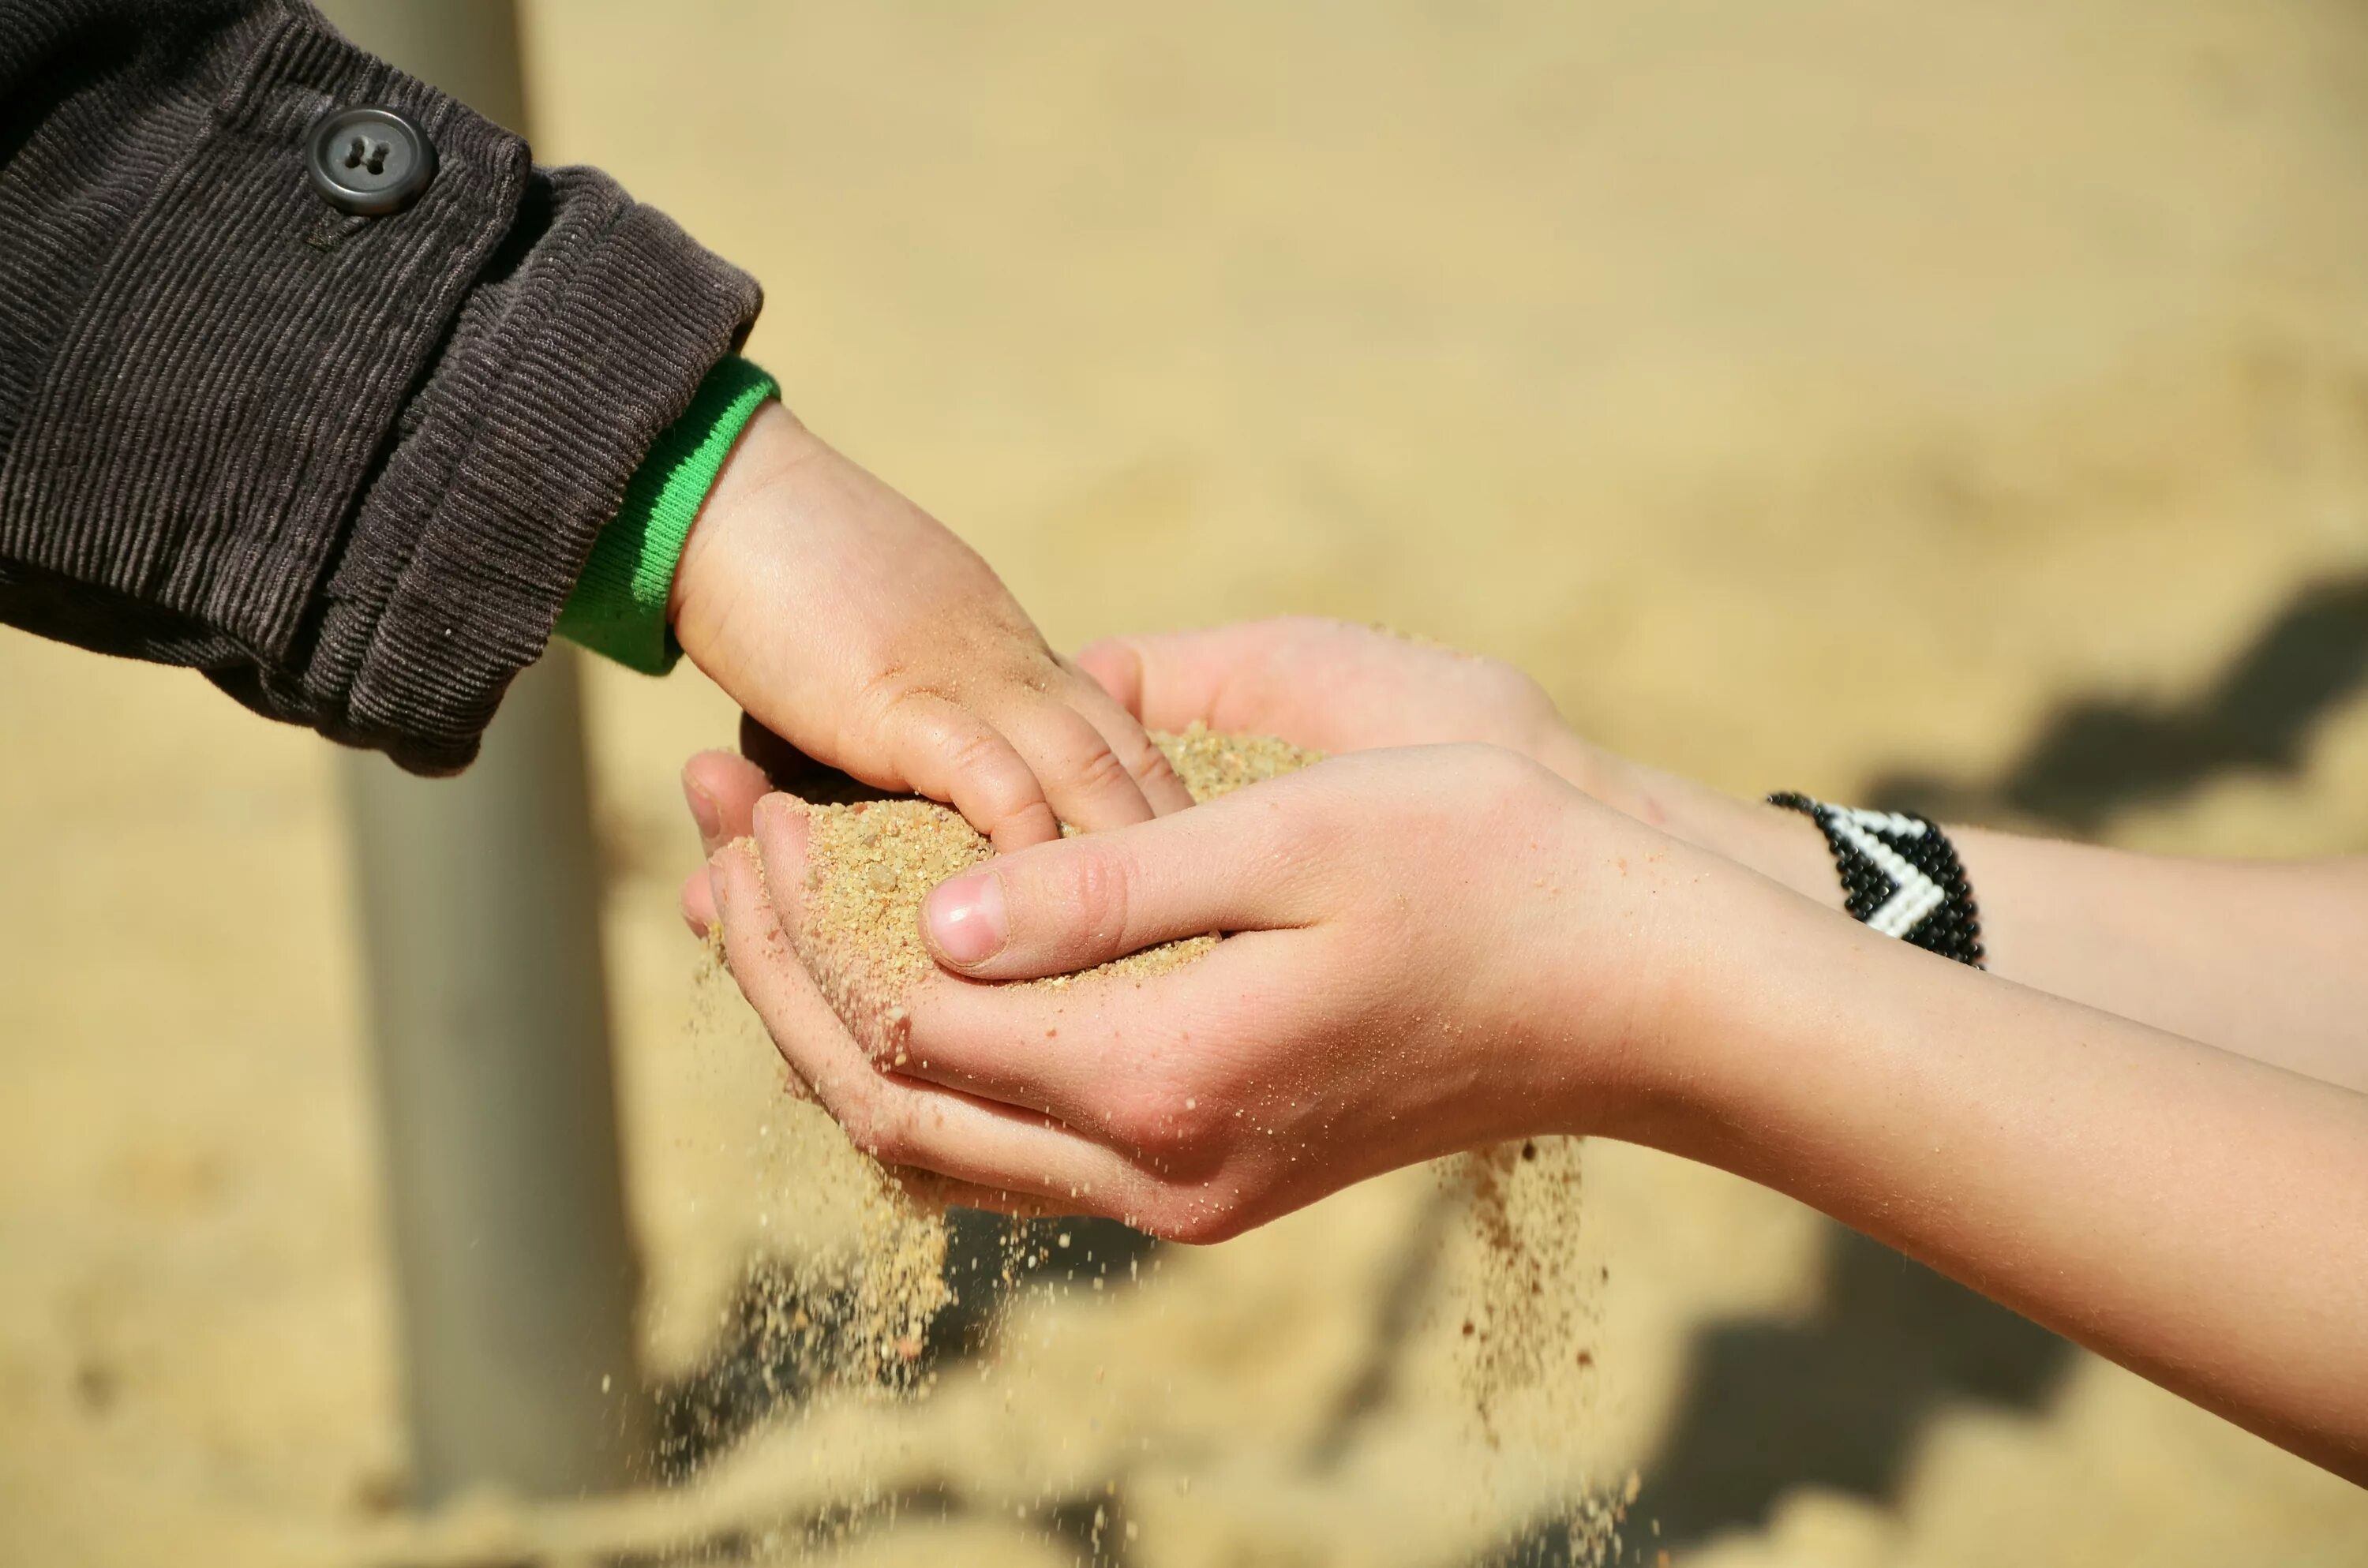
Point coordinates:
pixel 713 568
pixel 1779 845
pixel 1737 1024
pixel 619 606
pixel 1625 992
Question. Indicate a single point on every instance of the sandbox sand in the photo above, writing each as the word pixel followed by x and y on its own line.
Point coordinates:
pixel 870 864
pixel 1800 392
pixel 860 1316
pixel 1515 1294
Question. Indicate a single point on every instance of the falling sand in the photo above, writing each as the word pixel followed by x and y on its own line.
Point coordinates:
pixel 1516 1302
pixel 862 1319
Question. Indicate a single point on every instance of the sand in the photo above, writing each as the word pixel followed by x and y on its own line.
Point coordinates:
pixel 870 864
pixel 1800 393
pixel 1515 1294
pixel 860 1318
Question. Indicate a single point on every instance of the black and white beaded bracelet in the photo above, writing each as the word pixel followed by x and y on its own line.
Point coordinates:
pixel 1900 876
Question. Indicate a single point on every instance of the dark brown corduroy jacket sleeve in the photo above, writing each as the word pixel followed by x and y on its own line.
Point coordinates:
pixel 348 467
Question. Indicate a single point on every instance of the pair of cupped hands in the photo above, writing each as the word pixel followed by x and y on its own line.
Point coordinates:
pixel 1440 936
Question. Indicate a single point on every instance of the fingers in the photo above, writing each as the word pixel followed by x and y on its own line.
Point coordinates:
pixel 1132 747
pixel 723 791
pixel 1237 864
pixel 999 1148
pixel 698 903
pixel 1086 763
pixel 1085 781
pixel 1170 679
pixel 1009 1053
pixel 928 1187
pixel 948 753
pixel 1163 1092
pixel 1328 684
pixel 1110 1056
pixel 875 1025
pixel 1016 780
pixel 1278 676
pixel 788 768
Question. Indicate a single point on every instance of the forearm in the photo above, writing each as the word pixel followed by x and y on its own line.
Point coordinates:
pixel 2261 959
pixel 2265 959
pixel 348 465
pixel 2197 1216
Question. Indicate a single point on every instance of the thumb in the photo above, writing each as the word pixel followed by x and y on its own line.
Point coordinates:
pixel 1237 864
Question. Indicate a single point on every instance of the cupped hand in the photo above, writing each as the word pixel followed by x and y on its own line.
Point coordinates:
pixel 858 629
pixel 1328 684
pixel 1340 688
pixel 1434 949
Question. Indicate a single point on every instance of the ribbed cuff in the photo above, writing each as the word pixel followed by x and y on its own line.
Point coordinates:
pixel 619 607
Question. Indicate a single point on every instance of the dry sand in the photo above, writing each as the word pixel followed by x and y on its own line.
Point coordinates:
pixel 1800 392
pixel 870 863
pixel 860 1316
pixel 1508 1292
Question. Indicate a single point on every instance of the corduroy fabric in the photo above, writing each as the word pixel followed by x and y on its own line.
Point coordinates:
pixel 348 467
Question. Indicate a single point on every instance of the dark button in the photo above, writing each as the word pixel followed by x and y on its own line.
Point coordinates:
pixel 370 161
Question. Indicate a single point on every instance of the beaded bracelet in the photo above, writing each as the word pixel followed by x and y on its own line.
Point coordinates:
pixel 1900 876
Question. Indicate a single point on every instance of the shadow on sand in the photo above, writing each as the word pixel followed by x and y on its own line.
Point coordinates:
pixel 2099 756
pixel 1839 1401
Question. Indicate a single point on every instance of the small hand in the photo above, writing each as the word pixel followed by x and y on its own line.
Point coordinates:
pixel 852 624
pixel 1436 948
pixel 1327 685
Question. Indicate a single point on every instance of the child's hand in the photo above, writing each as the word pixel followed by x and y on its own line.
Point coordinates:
pixel 856 627
pixel 1437 948
pixel 1327 685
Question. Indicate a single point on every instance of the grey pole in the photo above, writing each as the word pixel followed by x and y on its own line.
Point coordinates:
pixel 515 1273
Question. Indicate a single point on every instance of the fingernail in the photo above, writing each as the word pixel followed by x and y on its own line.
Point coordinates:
pixel 965 918
pixel 703 810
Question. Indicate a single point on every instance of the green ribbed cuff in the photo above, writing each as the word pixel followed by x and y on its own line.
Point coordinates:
pixel 619 607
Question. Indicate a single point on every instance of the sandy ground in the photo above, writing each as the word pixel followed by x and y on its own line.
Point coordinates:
pixel 1810 396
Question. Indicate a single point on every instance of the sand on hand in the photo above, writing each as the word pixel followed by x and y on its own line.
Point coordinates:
pixel 857 1318
pixel 869 863
pixel 1515 1296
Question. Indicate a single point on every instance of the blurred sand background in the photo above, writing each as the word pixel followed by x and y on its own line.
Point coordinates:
pixel 1963 402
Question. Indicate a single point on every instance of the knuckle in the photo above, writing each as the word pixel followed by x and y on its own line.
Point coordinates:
pixel 1135 1119
pixel 1094 894
pixel 1103 770
pixel 889 695
pixel 882 1134
pixel 979 755
pixel 1300 839
pixel 858 1120
pixel 850 1091
pixel 1167 1125
pixel 1148 763
pixel 1034 822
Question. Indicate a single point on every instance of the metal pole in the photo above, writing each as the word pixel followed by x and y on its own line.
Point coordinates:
pixel 516 1278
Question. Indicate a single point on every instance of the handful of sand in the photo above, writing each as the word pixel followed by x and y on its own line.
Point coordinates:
pixel 871 863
